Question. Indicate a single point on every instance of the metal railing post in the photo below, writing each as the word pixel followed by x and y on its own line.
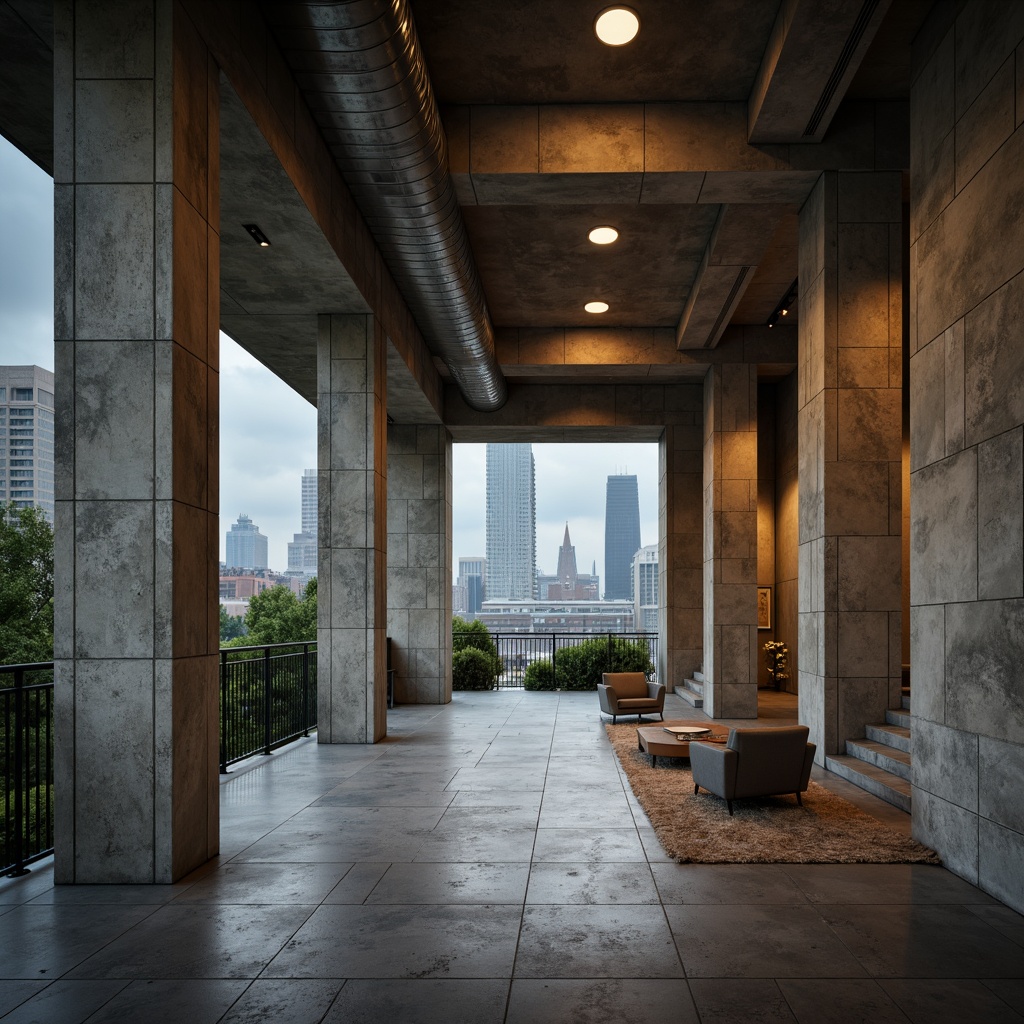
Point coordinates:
pixel 554 648
pixel 305 689
pixel 223 712
pixel 266 701
pixel 20 825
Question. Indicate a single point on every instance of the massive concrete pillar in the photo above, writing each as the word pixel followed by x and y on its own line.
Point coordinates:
pixel 135 324
pixel 352 492
pixel 420 562
pixel 730 541
pixel 680 547
pixel 850 427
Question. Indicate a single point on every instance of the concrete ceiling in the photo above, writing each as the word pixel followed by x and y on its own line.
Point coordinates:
pixel 549 134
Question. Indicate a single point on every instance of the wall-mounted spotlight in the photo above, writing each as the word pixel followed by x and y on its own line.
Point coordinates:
pixel 257 235
pixel 616 26
pixel 784 307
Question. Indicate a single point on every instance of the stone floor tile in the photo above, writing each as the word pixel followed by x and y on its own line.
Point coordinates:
pixel 883 883
pixel 639 1001
pixel 596 942
pixel 1005 921
pixel 840 1001
pixel 64 1002
pixel 589 883
pixel 611 811
pixel 13 993
pixel 115 895
pixel 508 816
pixel 39 880
pixel 751 941
pixel 46 941
pixel 358 883
pixel 725 883
pixel 740 1001
pixel 653 849
pixel 287 884
pixel 420 1001
pixel 296 848
pixel 927 941
pixel 451 884
pixel 401 942
pixel 297 1002
pixel 197 941
pixel 468 844
pixel 1010 990
pixel 498 798
pixel 571 845
pixel 944 1001
pixel 170 1002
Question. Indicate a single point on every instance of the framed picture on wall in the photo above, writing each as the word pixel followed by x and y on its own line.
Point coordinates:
pixel 764 607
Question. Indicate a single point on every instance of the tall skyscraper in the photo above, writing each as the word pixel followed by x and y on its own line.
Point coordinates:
pixel 645 588
pixel 26 437
pixel 473 576
pixel 302 548
pixel 246 546
pixel 511 522
pixel 621 536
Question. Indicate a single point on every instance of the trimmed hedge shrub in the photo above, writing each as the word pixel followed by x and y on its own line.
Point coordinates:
pixel 472 670
pixel 580 667
pixel 540 675
pixel 475 636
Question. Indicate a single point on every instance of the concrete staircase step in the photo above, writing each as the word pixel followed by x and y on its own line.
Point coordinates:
pixel 897 716
pixel 698 677
pixel 897 736
pixel 881 755
pixel 692 692
pixel 905 702
pixel 873 779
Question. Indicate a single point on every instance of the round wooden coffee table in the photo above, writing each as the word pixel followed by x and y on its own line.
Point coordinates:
pixel 656 741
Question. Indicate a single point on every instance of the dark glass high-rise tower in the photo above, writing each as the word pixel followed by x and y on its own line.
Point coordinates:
pixel 621 536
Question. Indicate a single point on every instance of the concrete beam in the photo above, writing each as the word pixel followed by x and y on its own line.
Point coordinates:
pixel 737 243
pixel 815 49
pixel 654 153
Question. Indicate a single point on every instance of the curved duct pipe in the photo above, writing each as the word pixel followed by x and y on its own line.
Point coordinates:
pixel 384 129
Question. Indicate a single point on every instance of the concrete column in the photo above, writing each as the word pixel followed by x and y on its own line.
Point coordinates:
pixel 730 541
pixel 850 438
pixel 135 324
pixel 420 562
pixel 680 559
pixel 352 490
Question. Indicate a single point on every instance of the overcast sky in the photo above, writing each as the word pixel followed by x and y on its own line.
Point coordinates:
pixel 268 432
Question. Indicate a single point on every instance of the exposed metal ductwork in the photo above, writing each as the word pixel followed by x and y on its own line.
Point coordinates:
pixel 360 66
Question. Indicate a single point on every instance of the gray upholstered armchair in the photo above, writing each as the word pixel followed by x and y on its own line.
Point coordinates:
pixel 754 762
pixel 629 693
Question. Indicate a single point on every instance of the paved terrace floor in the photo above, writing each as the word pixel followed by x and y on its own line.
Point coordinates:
pixel 488 863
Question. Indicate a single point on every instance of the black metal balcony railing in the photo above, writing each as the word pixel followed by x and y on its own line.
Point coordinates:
pixel 26 757
pixel 517 651
pixel 267 698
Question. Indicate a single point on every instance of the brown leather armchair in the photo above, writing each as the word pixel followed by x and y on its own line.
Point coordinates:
pixel 754 762
pixel 629 693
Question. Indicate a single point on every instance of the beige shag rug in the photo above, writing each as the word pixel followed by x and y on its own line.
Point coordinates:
pixel 768 830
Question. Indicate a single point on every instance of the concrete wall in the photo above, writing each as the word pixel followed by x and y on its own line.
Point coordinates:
pixel 765 514
pixel 419 562
pixel 787 534
pixel 967 411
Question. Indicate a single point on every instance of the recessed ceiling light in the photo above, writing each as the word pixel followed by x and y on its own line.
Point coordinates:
pixel 596 307
pixel 616 26
pixel 603 235
pixel 257 235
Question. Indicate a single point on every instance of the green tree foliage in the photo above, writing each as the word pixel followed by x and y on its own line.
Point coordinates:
pixel 475 635
pixel 277 616
pixel 231 626
pixel 472 669
pixel 580 667
pixel 26 586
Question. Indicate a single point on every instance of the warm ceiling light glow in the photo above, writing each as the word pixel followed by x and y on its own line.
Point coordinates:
pixel 603 235
pixel 596 307
pixel 257 236
pixel 616 26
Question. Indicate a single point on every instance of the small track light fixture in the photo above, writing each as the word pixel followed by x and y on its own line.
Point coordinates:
pixel 257 235
pixel 784 306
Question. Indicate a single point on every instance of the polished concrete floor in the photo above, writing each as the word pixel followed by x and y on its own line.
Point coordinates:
pixel 487 864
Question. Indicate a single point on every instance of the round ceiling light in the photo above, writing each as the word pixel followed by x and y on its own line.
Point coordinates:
pixel 596 307
pixel 603 235
pixel 616 26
